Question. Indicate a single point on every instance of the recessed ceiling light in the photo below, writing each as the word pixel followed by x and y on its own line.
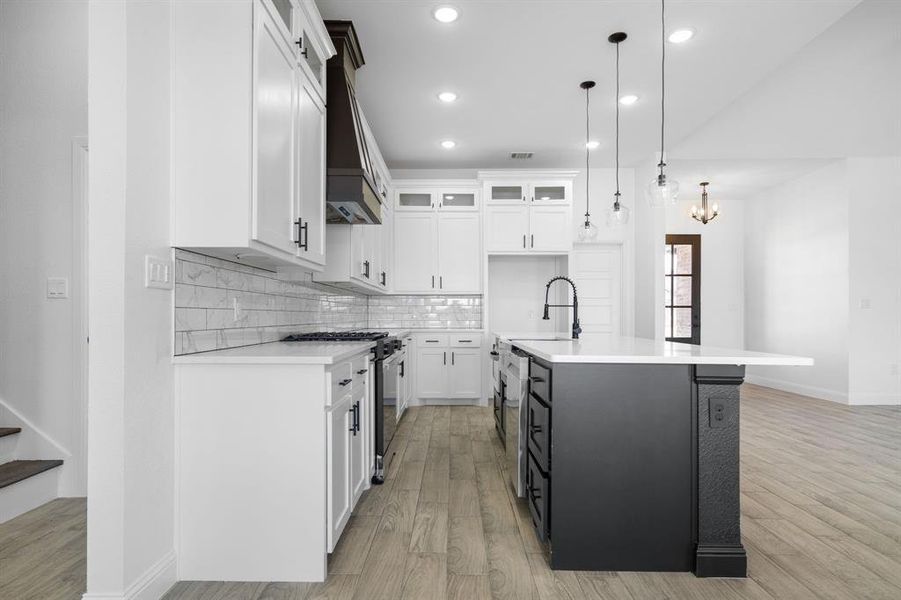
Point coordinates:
pixel 592 144
pixel 628 99
pixel 448 144
pixel 447 96
pixel 681 35
pixel 445 14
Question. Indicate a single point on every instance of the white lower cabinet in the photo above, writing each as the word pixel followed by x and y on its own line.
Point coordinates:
pixel 465 375
pixel 449 366
pixel 431 373
pixel 340 453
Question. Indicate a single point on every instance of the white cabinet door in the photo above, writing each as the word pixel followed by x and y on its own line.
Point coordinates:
pixel 339 460
pixel 550 192
pixel 274 133
pixel 507 193
pixel 372 253
pixel 431 373
pixel 465 375
pixel 551 228
pixel 358 470
pixel 459 254
pixel 385 277
pixel 415 257
pixel 311 173
pixel 506 228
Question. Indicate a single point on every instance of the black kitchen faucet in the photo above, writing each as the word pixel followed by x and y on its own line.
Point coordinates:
pixel 577 329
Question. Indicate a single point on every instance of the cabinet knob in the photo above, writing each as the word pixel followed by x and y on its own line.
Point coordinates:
pixel 344 382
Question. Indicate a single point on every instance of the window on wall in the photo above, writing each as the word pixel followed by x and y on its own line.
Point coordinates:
pixel 682 289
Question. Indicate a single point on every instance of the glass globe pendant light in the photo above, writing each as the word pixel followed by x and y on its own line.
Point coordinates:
pixel 662 191
pixel 588 231
pixel 617 215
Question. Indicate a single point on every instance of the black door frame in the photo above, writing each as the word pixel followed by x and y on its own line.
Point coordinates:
pixel 693 240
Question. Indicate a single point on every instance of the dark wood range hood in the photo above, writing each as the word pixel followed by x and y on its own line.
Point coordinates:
pixel 352 195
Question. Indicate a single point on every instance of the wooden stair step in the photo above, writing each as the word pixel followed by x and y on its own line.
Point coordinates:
pixel 5 431
pixel 17 470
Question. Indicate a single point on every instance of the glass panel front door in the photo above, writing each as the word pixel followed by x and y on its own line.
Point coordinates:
pixel 682 289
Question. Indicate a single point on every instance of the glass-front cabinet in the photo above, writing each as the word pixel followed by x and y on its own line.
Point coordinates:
pixel 311 53
pixel 443 196
pixel 549 193
pixel 508 193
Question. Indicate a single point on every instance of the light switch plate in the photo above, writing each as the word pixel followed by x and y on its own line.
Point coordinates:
pixel 57 288
pixel 157 273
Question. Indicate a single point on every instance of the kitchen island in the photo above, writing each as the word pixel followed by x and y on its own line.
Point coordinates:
pixel 632 460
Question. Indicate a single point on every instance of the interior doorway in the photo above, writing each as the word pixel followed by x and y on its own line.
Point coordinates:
pixel 682 288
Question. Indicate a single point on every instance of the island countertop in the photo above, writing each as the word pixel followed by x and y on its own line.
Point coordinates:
pixel 635 350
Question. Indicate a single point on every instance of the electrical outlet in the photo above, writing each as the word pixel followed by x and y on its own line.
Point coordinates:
pixel 57 288
pixel 717 412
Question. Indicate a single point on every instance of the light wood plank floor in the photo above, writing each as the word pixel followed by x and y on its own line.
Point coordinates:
pixel 821 504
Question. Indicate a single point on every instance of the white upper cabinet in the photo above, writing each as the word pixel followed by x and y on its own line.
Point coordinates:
pixel 310 221
pixel 506 228
pixel 437 237
pixel 249 131
pixel 528 212
pixel 275 91
pixel 459 256
pixel 415 252
pixel 441 196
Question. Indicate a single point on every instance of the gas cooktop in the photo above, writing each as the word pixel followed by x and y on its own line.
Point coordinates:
pixel 337 336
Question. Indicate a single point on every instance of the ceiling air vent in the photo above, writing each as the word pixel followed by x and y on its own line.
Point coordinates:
pixel 521 154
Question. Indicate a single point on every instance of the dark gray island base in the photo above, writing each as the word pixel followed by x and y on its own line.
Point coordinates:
pixel 635 467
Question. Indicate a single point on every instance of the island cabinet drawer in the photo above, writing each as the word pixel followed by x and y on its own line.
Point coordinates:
pixel 537 495
pixel 540 381
pixel 539 432
pixel 467 340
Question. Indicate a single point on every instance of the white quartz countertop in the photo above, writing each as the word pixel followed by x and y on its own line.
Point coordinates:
pixel 280 353
pixel 604 349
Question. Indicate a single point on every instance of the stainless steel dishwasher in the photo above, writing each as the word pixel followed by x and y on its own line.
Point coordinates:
pixel 515 365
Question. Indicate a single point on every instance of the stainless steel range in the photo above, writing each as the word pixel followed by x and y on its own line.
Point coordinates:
pixel 388 358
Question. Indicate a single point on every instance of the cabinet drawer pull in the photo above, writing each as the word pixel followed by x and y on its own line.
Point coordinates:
pixel 445 358
pixel 361 371
pixel 536 379
pixel 465 341
pixel 344 382
pixel 533 240
pixel 452 358
pixel 431 341
pixel 523 240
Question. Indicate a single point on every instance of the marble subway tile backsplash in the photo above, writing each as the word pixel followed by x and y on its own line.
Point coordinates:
pixel 206 290
pixel 393 312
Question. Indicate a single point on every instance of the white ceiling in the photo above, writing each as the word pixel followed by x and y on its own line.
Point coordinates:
pixel 517 66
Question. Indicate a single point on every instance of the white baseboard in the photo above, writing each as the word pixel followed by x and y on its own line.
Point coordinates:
pixel 875 399
pixel 797 388
pixel 152 585
pixel 446 402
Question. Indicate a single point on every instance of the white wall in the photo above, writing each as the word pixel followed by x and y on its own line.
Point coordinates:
pixel 722 267
pixel 43 107
pixel 875 284
pixel 131 469
pixel 650 237
pixel 603 186
pixel 796 281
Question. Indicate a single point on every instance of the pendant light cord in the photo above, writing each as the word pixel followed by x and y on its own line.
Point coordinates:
pixel 616 100
pixel 587 154
pixel 662 80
